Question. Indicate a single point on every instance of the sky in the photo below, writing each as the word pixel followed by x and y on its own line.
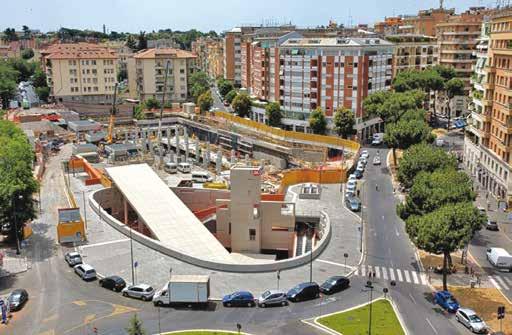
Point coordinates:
pixel 205 15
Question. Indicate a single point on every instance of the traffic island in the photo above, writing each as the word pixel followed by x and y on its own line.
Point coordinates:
pixel 485 302
pixel 356 321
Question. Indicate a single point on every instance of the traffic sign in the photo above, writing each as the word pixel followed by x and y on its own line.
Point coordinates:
pixel 501 312
pixel 135 264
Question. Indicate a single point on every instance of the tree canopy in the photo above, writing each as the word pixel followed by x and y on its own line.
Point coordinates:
pixel 205 101
pixel 225 86
pixel 273 114
pixel 344 121
pixel 152 103
pixel 242 104
pixel 317 121
pixel 405 133
pixel 454 87
pixel 27 54
pixel 390 106
pixel 230 96
pixel 142 41
pixel 199 83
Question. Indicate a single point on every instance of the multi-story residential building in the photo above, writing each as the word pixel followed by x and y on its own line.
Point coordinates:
pixel 413 52
pixel 146 74
pixel 389 26
pixel 209 52
pixel 80 72
pixel 233 56
pixel 426 21
pixel 216 60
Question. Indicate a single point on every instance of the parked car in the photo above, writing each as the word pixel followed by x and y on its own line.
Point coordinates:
pixel 358 174
pixel 377 138
pixel 352 177
pixel 492 225
pixel 304 291
pixel 239 299
pixel 362 160
pixel 365 154
pixel 360 166
pixel 335 284
pixel 226 103
pixel 139 291
pixel 73 258
pixel 350 193
pixel 114 283
pixel 446 300
pixel 472 321
pixel 376 160
pixel 272 298
pixel 17 299
pixel 353 203
pixel 500 258
pixel 85 271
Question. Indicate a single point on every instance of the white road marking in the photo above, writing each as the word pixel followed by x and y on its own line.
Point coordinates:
pixel 377 272
pixel 505 286
pixel 333 263
pixel 399 274
pixel 407 278
pixel 391 274
pixel 423 278
pixel 104 243
pixel 384 273
pixel 415 277
pixel 363 270
pixel 431 326
pixel 396 232
pixel 412 298
pixel 494 283
pixel 507 280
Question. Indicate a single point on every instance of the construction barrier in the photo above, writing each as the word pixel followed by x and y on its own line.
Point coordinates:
pixel 287 135
pixel 80 163
pixel 319 176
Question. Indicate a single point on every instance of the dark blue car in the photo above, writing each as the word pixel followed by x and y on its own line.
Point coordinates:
pixel 239 299
pixel 446 300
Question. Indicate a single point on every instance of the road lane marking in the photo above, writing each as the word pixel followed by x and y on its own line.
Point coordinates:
pixel 494 283
pixel 412 298
pixel 377 272
pixel 384 273
pixel 431 326
pixel 48 332
pixel 399 274
pixel 505 286
pixel 79 303
pixel 50 318
pixel 88 318
pixel 333 263
pixel 391 274
pixel 507 280
pixel 407 278
pixel 423 278
pixel 104 243
pixel 415 277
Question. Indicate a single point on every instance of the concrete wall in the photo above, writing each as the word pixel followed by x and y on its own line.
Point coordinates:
pixel 274 160
pixel 324 234
pixel 272 218
pixel 198 199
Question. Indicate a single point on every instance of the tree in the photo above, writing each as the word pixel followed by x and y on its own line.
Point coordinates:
pixel 122 74
pixel 27 53
pixel 224 86
pixel 445 230
pixel 9 35
pixel 317 121
pixel 138 112
pixel 453 87
pixel 24 68
pixel 43 93
pixel 344 122
pixel 131 43
pixel 242 104
pixel 432 190
pixel 196 91
pixel 151 103
pixel 273 114
pixel 373 103
pixel 390 106
pixel 205 101
pixel 135 327
pixel 143 41
pixel 405 133
pixel 423 157
pixel 26 32
pixel 230 96
pixel 200 78
pixel 446 72
pixel 17 184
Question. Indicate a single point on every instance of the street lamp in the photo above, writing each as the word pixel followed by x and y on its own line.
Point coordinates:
pixel 312 227
pixel 16 234
pixel 369 286
pixel 345 255
pixel 131 255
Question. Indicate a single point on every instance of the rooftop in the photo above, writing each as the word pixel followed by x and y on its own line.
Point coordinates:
pixel 335 42
pixel 164 53
pixel 78 51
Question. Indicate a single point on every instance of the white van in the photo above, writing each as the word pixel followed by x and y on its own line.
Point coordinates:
pixel 500 258
pixel 201 177
pixel 171 167
pixel 184 167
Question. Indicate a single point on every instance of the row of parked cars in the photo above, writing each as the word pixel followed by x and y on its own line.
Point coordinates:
pixel 351 200
pixel 301 292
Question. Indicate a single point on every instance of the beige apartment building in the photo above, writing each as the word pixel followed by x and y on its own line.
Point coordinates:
pixel 80 72
pixel 210 55
pixel 413 52
pixel 426 21
pixel 146 74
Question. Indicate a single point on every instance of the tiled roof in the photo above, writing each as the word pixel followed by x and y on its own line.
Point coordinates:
pixel 163 52
pixel 78 51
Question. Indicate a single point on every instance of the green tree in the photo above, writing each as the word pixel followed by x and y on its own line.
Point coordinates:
pixel 9 35
pixel 405 133
pixel 317 121
pixel 453 87
pixel 423 157
pixel 344 121
pixel 27 54
pixel 24 68
pixel 200 78
pixel 17 184
pixel 205 101
pixel 138 112
pixel 26 32
pixel 390 106
pixel 372 104
pixel 135 326
pixel 230 96
pixel 225 86
pixel 131 43
pixel 432 190
pixel 43 93
pixel 142 41
pixel 446 72
pixel 197 90
pixel 152 103
pixel 122 74
pixel 7 90
pixel 445 230
pixel 242 104
pixel 273 114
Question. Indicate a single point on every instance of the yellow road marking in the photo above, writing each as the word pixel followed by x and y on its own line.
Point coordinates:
pixel 89 318
pixel 48 332
pixel 50 318
pixel 79 303
pixel 120 309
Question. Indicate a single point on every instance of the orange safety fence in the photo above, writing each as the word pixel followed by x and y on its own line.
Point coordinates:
pixel 204 213
pixel 272 197
pixel 320 176
pixel 82 163
pixel 291 135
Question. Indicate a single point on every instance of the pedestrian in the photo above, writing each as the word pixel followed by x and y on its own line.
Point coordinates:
pixel 376 187
pixel 373 274
pixel 369 274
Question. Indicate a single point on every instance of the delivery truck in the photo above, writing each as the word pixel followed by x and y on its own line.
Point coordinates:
pixel 184 289
pixel 500 258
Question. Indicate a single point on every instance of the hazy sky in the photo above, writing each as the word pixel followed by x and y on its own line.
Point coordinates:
pixel 219 15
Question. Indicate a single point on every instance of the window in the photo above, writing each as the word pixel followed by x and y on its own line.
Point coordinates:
pixel 252 234
pixel 182 71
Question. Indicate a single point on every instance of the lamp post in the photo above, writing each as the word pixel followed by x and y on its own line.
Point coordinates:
pixel 131 256
pixel 312 227
pixel 369 286
pixel 345 255
pixel 16 233
pixel 278 278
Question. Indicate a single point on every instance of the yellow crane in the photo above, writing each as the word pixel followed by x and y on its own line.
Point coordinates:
pixel 110 134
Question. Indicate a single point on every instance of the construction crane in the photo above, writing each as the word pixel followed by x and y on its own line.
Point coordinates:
pixel 110 134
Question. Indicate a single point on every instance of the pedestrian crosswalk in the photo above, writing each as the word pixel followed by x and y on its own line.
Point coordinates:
pixel 501 282
pixel 389 273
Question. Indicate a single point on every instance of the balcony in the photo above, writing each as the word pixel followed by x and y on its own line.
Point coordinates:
pixel 478 132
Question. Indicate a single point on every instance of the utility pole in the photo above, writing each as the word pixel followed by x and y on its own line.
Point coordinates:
pixel 160 151
pixel 131 256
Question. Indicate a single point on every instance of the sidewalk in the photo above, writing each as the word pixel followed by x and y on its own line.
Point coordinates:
pixel 12 263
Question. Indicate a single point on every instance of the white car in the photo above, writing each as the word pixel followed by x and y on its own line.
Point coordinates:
pixel 360 166
pixel 365 154
pixel 469 319
pixel 139 291
pixel 73 258
pixel 352 177
pixel 85 271
pixel 363 160
pixel 351 187
pixel 376 160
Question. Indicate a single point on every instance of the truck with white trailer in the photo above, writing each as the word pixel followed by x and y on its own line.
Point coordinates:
pixel 184 289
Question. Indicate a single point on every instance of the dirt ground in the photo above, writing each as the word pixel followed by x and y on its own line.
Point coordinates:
pixel 437 260
pixel 485 302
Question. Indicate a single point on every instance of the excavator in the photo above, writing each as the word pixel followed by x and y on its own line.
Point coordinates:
pixel 110 135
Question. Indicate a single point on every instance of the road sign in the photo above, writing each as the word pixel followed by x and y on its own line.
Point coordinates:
pixel 278 274
pixel 4 311
pixel 345 255
pixel 135 264
pixel 501 312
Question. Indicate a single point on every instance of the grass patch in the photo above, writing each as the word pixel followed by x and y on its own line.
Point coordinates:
pixel 355 322
pixel 200 332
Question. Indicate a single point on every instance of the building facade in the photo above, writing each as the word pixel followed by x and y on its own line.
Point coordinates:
pixel 233 56
pixel 209 52
pixel 146 74
pixel 413 52
pixel 80 72
pixel 426 21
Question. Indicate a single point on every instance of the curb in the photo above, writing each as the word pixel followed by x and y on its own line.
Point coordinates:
pixel 363 230
pixel 201 330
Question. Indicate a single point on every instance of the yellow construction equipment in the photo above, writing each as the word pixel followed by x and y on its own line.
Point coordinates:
pixel 110 134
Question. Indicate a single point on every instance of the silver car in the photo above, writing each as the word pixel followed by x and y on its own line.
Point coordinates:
pixel 469 319
pixel 139 291
pixel 272 298
pixel 85 271
pixel 73 258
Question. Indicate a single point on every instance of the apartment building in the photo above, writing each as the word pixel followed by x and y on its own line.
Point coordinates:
pixel 413 52
pixel 80 72
pixel 426 21
pixel 390 25
pixel 233 56
pixel 146 74
pixel 209 52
